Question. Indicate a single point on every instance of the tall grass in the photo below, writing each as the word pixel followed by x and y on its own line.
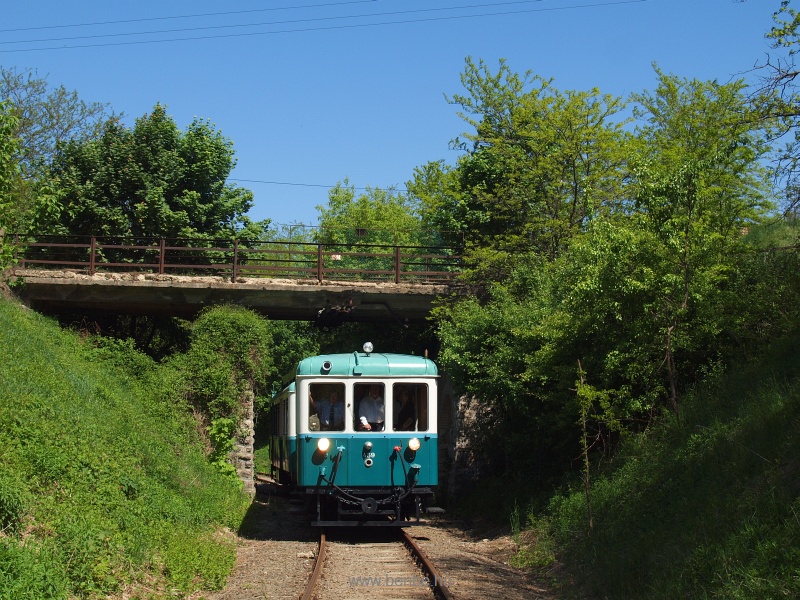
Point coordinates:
pixel 104 485
pixel 707 504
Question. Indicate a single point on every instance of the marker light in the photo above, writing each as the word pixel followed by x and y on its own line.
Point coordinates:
pixel 368 347
pixel 413 444
pixel 323 444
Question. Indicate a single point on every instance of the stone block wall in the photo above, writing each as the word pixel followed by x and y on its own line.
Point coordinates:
pixel 241 457
pixel 459 468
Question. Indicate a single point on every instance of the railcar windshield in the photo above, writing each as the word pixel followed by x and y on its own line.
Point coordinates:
pixel 370 413
pixel 369 406
pixel 326 406
pixel 410 407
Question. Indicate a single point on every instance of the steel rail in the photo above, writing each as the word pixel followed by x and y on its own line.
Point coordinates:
pixel 437 583
pixel 315 574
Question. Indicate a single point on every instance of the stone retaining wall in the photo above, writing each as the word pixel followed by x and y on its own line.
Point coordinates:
pixel 458 466
pixel 241 457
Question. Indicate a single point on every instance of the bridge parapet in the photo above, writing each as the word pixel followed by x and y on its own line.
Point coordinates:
pixel 237 259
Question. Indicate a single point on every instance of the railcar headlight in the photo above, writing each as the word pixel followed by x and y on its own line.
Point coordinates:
pixel 323 444
pixel 368 347
pixel 413 444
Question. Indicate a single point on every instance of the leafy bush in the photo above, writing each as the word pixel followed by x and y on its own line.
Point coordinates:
pixel 230 350
pixel 221 433
pixel 705 504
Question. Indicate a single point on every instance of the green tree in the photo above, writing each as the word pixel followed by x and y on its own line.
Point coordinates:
pixel 435 188
pixel 9 166
pixel 643 295
pixel 539 165
pixel 9 176
pixel 376 216
pixel 47 116
pixel 151 180
pixel 700 187
pixel 778 100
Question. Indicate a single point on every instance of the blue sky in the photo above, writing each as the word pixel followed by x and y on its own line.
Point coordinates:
pixel 313 91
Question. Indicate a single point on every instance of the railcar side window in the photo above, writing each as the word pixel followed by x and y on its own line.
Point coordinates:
pixel 410 407
pixel 326 407
pixel 371 409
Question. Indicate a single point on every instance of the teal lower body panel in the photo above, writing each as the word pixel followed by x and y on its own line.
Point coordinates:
pixel 366 460
pixel 360 479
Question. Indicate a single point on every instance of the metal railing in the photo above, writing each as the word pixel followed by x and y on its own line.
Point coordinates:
pixel 239 259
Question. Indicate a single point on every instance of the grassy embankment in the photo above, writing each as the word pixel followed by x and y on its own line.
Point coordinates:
pixel 705 505
pixel 104 485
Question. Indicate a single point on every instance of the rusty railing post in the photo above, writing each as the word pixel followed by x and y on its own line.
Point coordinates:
pixel 319 263
pixel 235 260
pixel 162 245
pixel 397 264
pixel 16 252
pixel 92 247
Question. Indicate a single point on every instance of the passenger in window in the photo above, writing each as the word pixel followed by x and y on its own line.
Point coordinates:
pixel 330 411
pixel 406 420
pixel 371 410
pixel 313 417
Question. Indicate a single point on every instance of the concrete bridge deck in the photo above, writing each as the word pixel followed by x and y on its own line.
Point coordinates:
pixel 327 302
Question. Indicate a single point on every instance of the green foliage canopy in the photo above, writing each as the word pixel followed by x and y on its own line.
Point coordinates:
pixel 538 166
pixel 230 351
pixel 640 290
pixel 9 167
pixel 375 216
pixel 47 116
pixel 151 181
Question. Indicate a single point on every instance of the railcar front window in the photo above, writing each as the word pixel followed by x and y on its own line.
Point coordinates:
pixel 410 407
pixel 371 409
pixel 326 407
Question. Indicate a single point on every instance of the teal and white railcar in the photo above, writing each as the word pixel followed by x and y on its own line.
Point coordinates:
pixel 356 434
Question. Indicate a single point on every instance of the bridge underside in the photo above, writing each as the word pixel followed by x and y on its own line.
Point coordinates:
pixel 327 303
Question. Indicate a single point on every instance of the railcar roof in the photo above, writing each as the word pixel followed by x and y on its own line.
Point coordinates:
pixel 373 364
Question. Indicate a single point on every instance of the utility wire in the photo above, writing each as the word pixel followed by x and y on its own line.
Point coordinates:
pixel 195 16
pixel 317 185
pixel 286 22
pixel 322 28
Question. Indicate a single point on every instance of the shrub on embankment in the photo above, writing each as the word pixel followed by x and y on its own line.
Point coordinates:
pixel 104 484
pixel 706 504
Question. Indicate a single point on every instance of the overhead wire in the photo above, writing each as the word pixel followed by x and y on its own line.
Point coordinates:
pixel 318 185
pixel 309 29
pixel 193 16
pixel 285 22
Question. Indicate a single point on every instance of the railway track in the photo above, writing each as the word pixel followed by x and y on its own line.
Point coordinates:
pixel 382 564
